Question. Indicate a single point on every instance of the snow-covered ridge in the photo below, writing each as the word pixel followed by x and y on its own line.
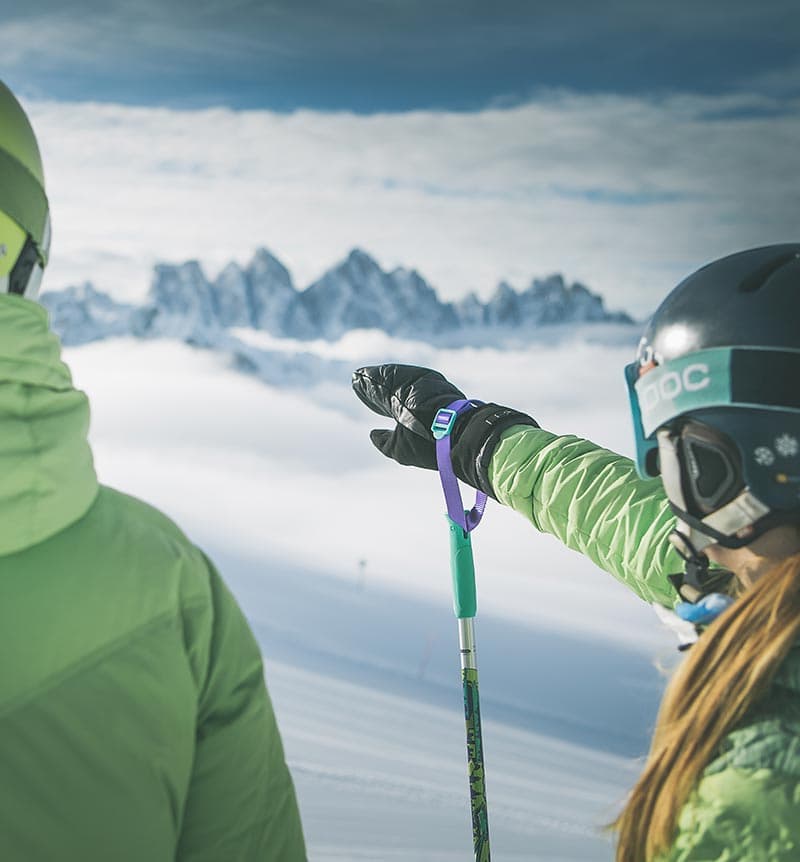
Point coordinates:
pixel 355 294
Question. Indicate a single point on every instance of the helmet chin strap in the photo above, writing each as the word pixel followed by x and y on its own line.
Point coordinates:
pixel 688 541
pixel 697 580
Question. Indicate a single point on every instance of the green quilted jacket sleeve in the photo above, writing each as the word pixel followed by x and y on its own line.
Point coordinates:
pixel 593 501
pixel 740 814
pixel 241 804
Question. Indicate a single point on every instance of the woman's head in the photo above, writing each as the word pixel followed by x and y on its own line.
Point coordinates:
pixel 715 398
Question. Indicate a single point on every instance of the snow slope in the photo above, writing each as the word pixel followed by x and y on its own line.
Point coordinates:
pixel 339 558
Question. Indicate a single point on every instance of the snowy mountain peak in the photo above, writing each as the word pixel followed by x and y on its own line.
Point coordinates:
pixel 360 266
pixel 182 300
pixel 354 294
pixel 82 314
pixel 266 266
pixel 358 294
pixel 551 285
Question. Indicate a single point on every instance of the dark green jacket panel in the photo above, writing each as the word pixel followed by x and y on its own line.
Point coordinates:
pixel 96 766
pixel 134 714
pixel 241 803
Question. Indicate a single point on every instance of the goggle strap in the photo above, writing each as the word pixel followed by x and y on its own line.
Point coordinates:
pixel 743 511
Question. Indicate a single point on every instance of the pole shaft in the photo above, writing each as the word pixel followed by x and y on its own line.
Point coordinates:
pixel 472 715
pixel 465 604
pixel 466 643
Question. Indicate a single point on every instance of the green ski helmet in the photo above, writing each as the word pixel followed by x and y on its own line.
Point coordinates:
pixel 24 211
pixel 715 396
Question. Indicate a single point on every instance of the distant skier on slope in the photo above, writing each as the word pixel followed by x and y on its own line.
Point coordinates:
pixel 135 725
pixel 715 395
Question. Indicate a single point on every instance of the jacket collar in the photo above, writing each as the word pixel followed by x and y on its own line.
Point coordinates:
pixel 47 478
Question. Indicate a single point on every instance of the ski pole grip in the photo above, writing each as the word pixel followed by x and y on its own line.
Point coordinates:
pixel 462 568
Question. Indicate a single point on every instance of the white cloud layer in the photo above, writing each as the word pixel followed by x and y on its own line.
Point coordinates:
pixel 624 193
pixel 292 472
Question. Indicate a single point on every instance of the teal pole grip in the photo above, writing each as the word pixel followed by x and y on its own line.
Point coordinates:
pixel 462 568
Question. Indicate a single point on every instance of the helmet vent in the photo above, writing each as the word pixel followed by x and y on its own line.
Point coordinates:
pixel 756 280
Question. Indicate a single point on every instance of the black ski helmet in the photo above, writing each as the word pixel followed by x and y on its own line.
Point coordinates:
pixel 715 395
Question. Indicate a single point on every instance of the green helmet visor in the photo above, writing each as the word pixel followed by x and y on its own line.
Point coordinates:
pixel 752 377
pixel 23 199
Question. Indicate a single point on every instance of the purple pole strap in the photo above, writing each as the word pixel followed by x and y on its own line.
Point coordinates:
pixel 452 493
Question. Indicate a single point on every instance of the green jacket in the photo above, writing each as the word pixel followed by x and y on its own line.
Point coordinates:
pixel 135 725
pixel 747 803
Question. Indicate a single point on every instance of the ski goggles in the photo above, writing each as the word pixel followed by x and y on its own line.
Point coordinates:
pixel 753 377
pixel 704 479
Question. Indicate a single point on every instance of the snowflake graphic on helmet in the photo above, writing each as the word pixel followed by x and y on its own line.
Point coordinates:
pixel 787 446
pixel 764 456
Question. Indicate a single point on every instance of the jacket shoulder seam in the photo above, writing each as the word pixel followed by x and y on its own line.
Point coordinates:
pixel 96 656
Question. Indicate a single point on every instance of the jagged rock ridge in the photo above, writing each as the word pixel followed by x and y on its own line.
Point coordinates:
pixel 355 294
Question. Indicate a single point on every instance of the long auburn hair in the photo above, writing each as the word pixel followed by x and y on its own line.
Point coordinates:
pixel 730 667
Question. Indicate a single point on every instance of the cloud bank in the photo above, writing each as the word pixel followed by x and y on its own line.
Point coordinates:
pixel 625 193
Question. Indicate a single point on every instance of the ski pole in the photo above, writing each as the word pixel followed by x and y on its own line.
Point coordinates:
pixel 465 604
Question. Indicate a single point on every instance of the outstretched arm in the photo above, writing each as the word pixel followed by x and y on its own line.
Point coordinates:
pixel 593 501
pixel 589 498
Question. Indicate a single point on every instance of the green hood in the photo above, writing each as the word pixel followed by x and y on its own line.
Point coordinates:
pixel 48 479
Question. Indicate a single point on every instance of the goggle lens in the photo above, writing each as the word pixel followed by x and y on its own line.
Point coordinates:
pixel 711 475
pixel 700 468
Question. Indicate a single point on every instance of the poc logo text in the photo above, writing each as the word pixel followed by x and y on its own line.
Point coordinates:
pixel 670 384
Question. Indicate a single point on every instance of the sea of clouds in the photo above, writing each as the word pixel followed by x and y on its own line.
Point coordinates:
pixel 627 194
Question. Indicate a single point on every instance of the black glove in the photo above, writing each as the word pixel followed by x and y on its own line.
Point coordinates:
pixel 412 396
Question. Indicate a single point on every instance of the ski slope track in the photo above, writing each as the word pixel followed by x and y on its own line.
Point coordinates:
pixel 366 683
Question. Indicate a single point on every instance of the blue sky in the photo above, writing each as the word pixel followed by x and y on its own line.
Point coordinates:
pixel 622 143
pixel 395 55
